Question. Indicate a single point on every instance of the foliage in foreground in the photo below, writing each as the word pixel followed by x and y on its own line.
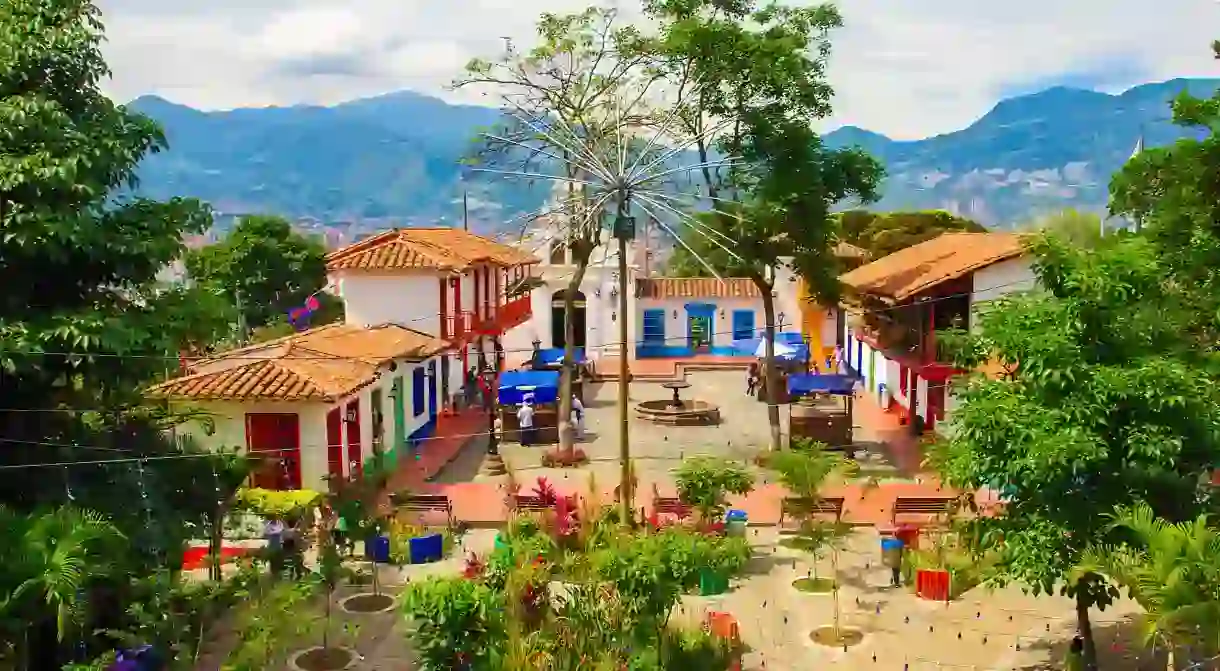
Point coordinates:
pixel 538 602
pixel 1114 400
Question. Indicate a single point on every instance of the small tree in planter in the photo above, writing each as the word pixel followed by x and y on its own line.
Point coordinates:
pixel 804 472
pixel 704 483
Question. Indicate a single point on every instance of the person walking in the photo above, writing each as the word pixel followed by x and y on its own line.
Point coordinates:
pixel 525 421
pixel 273 534
pixel 292 549
pixel 752 378
pixel 578 417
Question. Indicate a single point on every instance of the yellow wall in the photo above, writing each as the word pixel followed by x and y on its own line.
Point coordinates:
pixel 812 318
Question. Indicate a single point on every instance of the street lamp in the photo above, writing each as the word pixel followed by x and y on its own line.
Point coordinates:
pixel 489 383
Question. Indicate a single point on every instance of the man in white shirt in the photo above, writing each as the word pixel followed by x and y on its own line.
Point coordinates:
pixel 525 420
pixel 578 417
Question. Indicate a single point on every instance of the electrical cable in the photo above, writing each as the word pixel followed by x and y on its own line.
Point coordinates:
pixel 321 357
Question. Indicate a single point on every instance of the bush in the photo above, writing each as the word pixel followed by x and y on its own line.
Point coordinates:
pixel 274 503
pixel 705 482
pixel 457 621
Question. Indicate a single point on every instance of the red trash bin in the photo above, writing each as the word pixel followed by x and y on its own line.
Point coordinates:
pixel 932 584
pixel 909 535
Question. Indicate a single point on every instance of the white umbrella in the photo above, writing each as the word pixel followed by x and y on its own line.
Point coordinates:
pixel 781 349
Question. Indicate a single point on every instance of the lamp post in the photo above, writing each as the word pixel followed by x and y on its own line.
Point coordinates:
pixel 489 382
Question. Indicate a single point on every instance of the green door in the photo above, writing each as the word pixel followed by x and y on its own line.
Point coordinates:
pixel 400 418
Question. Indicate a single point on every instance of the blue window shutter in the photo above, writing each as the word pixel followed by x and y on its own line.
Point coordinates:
pixel 743 324
pixel 418 392
pixel 654 327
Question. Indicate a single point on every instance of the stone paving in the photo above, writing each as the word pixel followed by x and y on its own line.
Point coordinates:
pixel 1002 629
pixel 657 449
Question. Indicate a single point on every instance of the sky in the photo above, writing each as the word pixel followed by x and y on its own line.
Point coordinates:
pixel 906 68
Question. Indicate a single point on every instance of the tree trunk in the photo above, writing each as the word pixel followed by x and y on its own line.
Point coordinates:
pixel 701 145
pixel 771 378
pixel 567 432
pixel 1085 627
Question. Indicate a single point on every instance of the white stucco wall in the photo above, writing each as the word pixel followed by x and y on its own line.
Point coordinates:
pixel 722 325
pixel 1002 278
pixel 229 418
pixel 412 300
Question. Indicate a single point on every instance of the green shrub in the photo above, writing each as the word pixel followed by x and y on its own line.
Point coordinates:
pixel 274 503
pixel 705 482
pixel 456 620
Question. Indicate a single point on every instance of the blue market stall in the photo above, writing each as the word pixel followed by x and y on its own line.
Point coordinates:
pixel 822 408
pixel 551 360
pixel 541 388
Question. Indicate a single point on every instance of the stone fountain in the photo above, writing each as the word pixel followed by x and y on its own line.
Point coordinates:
pixel 677 411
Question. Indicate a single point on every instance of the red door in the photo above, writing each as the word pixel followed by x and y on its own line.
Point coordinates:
pixel 275 439
pixel 334 444
pixel 354 458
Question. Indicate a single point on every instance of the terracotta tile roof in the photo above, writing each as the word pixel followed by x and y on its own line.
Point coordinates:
pixel 918 268
pixel 324 363
pixel 697 287
pixel 449 249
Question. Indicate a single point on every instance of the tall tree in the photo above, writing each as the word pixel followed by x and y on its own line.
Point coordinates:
pixel 1082 229
pixel 883 233
pixel 569 102
pixel 1076 432
pixel 749 79
pixel 84 324
pixel 265 269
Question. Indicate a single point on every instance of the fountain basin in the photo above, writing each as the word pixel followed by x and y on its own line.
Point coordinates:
pixel 690 412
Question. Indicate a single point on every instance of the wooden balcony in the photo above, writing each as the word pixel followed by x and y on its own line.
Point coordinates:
pixel 457 328
pixel 504 317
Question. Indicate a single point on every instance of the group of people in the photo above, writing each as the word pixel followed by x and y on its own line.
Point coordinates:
pixel 834 363
pixel 528 427
pixel 288 538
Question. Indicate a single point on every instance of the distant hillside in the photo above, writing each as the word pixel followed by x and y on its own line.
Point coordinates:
pixel 395 157
pixel 1031 154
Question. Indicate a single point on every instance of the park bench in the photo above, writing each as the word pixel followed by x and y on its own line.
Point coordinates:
pixel 528 503
pixel 924 506
pixel 669 505
pixel 423 503
pixel 797 507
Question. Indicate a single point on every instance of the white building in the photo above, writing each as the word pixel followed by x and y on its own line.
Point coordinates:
pixel 423 306
pixel 900 301
pixel 664 314
pixel 315 404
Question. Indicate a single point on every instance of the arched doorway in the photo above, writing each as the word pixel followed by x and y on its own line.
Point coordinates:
pixel 558 333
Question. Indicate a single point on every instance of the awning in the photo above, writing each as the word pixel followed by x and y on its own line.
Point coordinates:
pixel 802 384
pixel 515 385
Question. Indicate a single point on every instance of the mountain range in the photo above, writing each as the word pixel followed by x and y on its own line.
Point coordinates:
pixel 396 158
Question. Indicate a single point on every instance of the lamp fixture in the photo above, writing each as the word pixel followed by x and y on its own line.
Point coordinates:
pixel 350 414
pixel 675 314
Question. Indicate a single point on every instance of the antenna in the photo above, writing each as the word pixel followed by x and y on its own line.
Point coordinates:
pixel 465 212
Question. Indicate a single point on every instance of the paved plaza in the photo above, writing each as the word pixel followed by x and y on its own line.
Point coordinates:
pixel 657 449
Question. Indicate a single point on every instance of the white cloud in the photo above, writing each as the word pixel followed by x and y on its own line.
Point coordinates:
pixel 907 69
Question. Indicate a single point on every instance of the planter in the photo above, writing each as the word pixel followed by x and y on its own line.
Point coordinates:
pixel 425 549
pixel 712 583
pixel 933 584
pixel 323 659
pixel 367 603
pixel 377 549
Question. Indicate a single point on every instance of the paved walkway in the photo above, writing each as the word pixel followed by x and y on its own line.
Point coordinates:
pixel 656 450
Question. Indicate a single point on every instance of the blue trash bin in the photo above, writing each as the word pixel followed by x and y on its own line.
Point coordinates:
pixel 377 549
pixel 735 522
pixel 425 549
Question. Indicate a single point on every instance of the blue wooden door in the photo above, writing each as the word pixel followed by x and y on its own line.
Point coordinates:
pixel 432 377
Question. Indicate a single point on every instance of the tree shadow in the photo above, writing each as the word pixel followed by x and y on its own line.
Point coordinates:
pixel 466 465
pixel 1119 648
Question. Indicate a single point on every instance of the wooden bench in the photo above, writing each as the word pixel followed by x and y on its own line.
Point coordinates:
pixel 670 505
pixel 423 503
pixel 528 503
pixel 925 506
pixel 792 506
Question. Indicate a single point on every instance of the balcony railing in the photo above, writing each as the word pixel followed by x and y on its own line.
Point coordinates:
pixel 504 317
pixel 457 328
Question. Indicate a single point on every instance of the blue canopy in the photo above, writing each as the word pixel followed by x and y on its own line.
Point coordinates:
pixel 516 384
pixel 553 356
pixel 809 383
